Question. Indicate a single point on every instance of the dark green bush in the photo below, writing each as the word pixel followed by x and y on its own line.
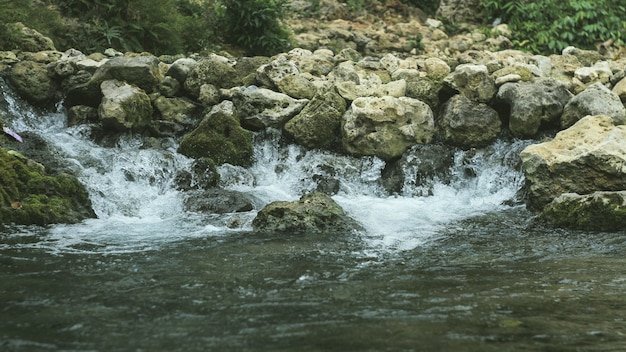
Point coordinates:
pixel 428 6
pixel 41 18
pixel 254 25
pixel 548 26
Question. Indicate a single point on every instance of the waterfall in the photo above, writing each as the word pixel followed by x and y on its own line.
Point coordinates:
pixel 132 187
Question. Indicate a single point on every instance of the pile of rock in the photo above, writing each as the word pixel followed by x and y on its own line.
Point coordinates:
pixel 350 103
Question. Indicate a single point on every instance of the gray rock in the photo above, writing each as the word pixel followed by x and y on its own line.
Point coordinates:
pixel 259 108
pixel 469 124
pixel 595 100
pixel 473 81
pixel 533 104
pixel 218 201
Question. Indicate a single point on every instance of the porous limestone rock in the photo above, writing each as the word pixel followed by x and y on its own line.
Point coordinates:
pixel 469 124
pixel 313 213
pixel 214 69
pixel 387 126
pixel 124 107
pixel 533 104
pixel 587 157
pixel 259 108
pixel 473 81
pixel 595 100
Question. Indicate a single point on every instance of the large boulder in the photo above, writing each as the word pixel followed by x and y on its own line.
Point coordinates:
pixel 30 80
pixel 601 211
pixel 140 71
pixel 473 81
pixel 219 137
pixel 387 126
pixel 124 107
pixel 313 213
pixel 216 70
pixel 595 100
pixel 533 104
pixel 259 108
pixel 29 195
pixel 318 125
pixel 587 157
pixel 468 124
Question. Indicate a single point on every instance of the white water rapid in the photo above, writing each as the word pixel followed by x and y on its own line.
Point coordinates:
pixel 138 207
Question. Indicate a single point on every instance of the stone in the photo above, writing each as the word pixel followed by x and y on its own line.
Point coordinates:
pixel 590 156
pixel 599 72
pixel 313 213
pixel 259 108
pixel 318 125
pixel 597 211
pixel 620 90
pixel 178 114
pixel 386 126
pixel 31 81
pixel 468 124
pixel 214 69
pixel 27 39
pixel 140 71
pixel 272 73
pixel 595 100
pixel 436 69
pixel 217 201
pixel 202 174
pixel 31 196
pixel 219 137
pixel 181 68
pixel 473 81
pixel 124 107
pixel 533 105
pixel 80 114
pixel 297 87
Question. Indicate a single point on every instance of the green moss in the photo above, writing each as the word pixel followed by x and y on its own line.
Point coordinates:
pixel 220 138
pixel 594 214
pixel 28 196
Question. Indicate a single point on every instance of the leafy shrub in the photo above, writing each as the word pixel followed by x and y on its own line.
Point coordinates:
pixel 428 6
pixel 254 25
pixel 41 18
pixel 548 26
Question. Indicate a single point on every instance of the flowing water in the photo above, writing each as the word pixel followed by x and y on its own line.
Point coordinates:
pixel 457 270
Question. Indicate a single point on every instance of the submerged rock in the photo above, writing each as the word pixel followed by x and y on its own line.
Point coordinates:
pixel 313 213
pixel 587 157
pixel 259 108
pixel 602 211
pixel 218 201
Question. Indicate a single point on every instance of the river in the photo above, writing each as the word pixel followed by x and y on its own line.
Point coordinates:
pixel 462 268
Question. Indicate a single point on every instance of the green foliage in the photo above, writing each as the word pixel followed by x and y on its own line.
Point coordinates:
pixel 548 26
pixel 254 25
pixel 41 18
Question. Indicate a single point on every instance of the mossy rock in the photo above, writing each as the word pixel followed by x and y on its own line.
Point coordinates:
pixel 30 197
pixel 219 137
pixel 599 211
pixel 313 213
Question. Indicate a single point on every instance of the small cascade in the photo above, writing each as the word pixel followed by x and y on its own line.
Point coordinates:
pixel 134 194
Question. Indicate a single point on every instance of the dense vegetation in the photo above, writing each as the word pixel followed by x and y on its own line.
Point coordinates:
pixel 548 26
pixel 254 27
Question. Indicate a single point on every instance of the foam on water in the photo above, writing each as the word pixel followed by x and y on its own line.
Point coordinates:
pixel 133 191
